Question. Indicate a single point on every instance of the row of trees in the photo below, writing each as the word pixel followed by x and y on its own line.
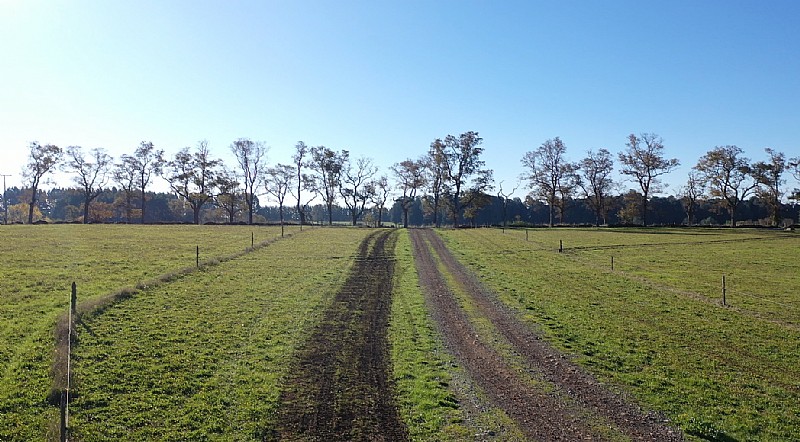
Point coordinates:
pixel 723 174
pixel 449 179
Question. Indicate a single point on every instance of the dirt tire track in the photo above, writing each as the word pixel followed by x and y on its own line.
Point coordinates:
pixel 540 416
pixel 340 388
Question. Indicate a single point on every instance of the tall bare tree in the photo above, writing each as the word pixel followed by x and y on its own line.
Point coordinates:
pixel 251 156
pixel 466 177
pixel 193 177
pixel 379 190
pixel 793 165
pixel 92 173
pixel 769 176
pixel 353 186
pixel 596 182
pixel 728 175
pixel 644 161
pixel 436 168
pixel 504 198
pixel 691 194
pixel 411 177
pixel 550 175
pixel 124 174
pixel 328 165
pixel 277 183
pixel 146 162
pixel 229 195
pixel 302 180
pixel 42 159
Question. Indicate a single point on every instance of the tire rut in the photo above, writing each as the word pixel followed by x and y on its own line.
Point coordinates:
pixel 571 411
pixel 340 388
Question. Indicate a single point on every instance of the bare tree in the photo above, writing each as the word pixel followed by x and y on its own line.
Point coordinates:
pixel 504 197
pixel 42 159
pixel 769 176
pixel 644 161
pixel 193 177
pixel 690 194
pixel 146 161
pixel 436 167
pixel 353 186
pixel 411 177
pixel 550 175
pixel 379 189
pixel 302 180
pixel 596 181
pixel 793 165
pixel 124 174
pixel 328 165
pixel 229 196
pixel 728 175
pixel 92 174
pixel 467 180
pixel 277 183
pixel 251 156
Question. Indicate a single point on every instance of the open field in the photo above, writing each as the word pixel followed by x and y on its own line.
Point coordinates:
pixel 290 340
pixel 654 327
pixel 39 263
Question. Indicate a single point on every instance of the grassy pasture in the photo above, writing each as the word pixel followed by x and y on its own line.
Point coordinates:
pixel 38 265
pixel 720 373
pixel 201 358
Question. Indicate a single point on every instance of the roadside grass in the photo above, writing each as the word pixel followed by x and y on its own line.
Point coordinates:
pixel 202 358
pixel 39 265
pixel 719 373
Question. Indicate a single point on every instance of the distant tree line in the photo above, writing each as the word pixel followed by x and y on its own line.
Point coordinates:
pixel 449 184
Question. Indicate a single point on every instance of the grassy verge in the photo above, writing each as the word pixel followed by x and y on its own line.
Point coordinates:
pixel 41 262
pixel 719 373
pixel 202 358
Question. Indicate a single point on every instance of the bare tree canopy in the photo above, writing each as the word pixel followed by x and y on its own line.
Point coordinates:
pixel 644 161
pixel 92 173
pixel 727 175
pixel 193 177
pixel 277 183
pixel 42 159
pixel 251 156
pixel 467 180
pixel 328 165
pixel 436 167
pixel 379 189
pixel 550 175
pixel 596 182
pixel 302 180
pixel 146 162
pixel 690 194
pixel 124 174
pixel 411 176
pixel 353 186
pixel 229 195
pixel 769 176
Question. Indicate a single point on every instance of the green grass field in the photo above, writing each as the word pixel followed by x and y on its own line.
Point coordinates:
pixel 39 265
pixel 202 356
pixel 654 326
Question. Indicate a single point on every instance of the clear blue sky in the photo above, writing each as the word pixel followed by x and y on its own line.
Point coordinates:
pixel 384 78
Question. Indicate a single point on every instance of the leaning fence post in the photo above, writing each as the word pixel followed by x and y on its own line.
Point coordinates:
pixel 560 246
pixel 74 299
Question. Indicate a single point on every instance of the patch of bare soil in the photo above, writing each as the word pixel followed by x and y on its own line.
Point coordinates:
pixel 577 407
pixel 340 389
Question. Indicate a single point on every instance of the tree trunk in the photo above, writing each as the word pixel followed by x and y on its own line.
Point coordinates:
pixel 644 211
pixel 143 204
pixel 86 203
pixel 196 211
pixel 405 217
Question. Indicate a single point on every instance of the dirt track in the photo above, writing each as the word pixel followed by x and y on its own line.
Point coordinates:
pixel 340 388
pixel 574 406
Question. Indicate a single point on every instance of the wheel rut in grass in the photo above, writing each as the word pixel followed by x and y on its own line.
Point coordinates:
pixel 340 388
pixel 568 405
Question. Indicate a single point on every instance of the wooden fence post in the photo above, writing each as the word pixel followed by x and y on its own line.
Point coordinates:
pixel 63 406
pixel 74 299
pixel 724 301
pixel 198 256
pixel 612 263
pixel 560 246
pixel 252 239
pixel 526 234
